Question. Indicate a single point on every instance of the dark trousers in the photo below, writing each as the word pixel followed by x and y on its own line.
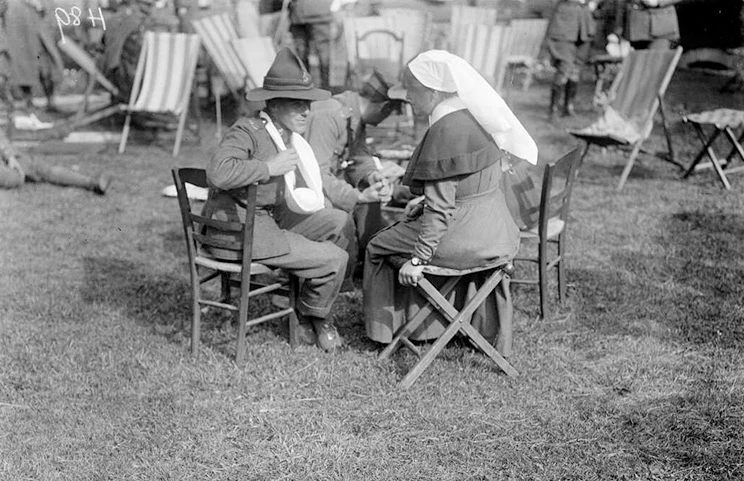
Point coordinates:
pixel 314 36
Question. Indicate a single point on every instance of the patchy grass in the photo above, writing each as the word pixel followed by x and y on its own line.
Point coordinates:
pixel 637 377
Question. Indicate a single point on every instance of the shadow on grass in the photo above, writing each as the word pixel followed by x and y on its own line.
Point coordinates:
pixel 694 290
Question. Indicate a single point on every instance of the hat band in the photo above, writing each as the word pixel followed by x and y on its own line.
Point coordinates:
pixel 278 83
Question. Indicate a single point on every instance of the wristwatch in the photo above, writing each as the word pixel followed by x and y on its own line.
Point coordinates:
pixel 415 261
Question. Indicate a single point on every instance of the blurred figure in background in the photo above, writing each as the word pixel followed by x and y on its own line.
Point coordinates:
pixel 648 24
pixel 311 25
pixel 569 38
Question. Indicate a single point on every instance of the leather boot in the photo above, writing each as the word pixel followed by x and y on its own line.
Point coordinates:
pixel 556 92
pixel 568 107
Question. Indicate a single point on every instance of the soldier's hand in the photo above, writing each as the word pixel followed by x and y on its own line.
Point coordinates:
pixel 651 3
pixel 283 162
pixel 414 208
pixel 371 194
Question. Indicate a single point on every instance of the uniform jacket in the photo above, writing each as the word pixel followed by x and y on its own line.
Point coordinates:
pixel 644 23
pixel 335 133
pixel 310 11
pixel 239 161
pixel 572 21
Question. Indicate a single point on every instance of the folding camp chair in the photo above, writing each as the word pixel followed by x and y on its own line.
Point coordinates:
pixel 463 15
pixel 256 54
pixel 243 274
pixel 459 321
pixel 724 121
pixel 216 33
pixel 485 47
pixel 635 95
pixel 163 79
pixel 527 38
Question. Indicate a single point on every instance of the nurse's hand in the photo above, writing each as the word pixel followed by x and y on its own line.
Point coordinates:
pixel 410 275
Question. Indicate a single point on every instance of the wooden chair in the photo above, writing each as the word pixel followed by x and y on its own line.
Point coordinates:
pixel 636 94
pixel 550 227
pixel 216 33
pixel 497 276
pixel 373 43
pixel 485 47
pixel 250 277
pixel 527 38
pixel 163 79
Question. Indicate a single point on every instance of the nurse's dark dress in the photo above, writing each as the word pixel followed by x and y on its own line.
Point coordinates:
pixel 465 223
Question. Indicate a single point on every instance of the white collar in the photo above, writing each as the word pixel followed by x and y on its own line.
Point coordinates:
pixel 446 106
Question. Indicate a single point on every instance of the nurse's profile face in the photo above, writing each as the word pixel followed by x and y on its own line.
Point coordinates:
pixel 422 98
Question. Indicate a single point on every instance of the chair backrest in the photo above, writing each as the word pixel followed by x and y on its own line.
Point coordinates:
pixel 555 195
pixel 485 47
pixel 416 24
pixel 198 238
pixel 217 31
pixel 463 15
pixel 165 72
pixel 642 80
pixel 527 37
pixel 86 62
pixel 256 54
pixel 355 27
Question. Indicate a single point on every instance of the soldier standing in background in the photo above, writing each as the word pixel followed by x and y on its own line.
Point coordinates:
pixel 648 24
pixel 311 28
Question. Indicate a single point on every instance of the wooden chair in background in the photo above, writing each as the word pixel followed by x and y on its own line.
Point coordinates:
pixel 527 38
pixel 635 96
pixel 250 277
pixel 546 225
pixel 373 43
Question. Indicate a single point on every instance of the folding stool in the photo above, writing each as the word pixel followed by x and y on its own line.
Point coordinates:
pixel 723 121
pixel 459 321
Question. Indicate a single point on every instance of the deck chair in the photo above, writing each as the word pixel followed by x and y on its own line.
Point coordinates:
pixel 549 228
pixel 527 38
pixel 496 276
pixel 373 43
pixel 463 15
pixel 95 77
pixel 216 33
pixel 252 278
pixel 163 79
pixel 484 47
pixel 415 24
pixel 256 54
pixel 635 95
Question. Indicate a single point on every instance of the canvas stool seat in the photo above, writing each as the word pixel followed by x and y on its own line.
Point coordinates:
pixel 458 319
pixel 720 121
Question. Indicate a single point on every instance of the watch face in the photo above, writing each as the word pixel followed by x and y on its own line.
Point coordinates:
pixel 415 261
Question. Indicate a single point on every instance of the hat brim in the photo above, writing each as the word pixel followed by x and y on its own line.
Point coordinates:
pixel 312 94
pixel 398 92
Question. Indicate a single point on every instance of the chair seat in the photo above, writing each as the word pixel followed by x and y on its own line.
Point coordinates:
pixel 721 118
pixel 447 272
pixel 520 60
pixel 555 227
pixel 227 266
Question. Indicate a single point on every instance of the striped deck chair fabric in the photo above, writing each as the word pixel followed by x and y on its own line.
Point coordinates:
pixel 415 24
pixel 463 15
pixel 216 32
pixel 485 47
pixel 256 54
pixel 527 38
pixel 635 96
pixel 164 78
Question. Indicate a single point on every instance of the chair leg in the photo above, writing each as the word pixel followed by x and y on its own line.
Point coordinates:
pixel 561 269
pixel 196 311
pixel 629 164
pixel 179 132
pixel 527 80
pixel 218 113
pixel 125 133
pixel 242 320
pixel 293 320
pixel 542 275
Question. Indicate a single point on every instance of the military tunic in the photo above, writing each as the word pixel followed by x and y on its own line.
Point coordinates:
pixel 309 246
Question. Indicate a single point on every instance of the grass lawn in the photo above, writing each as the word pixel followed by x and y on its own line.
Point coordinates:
pixel 638 376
